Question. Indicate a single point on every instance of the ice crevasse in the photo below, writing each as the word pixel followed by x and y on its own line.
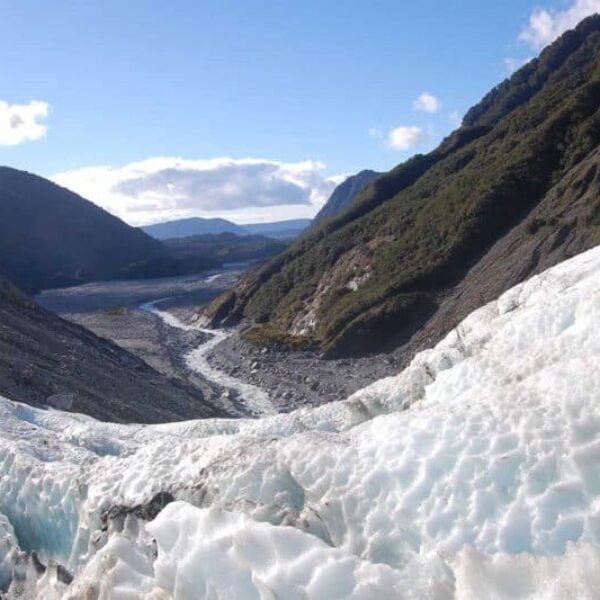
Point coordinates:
pixel 474 473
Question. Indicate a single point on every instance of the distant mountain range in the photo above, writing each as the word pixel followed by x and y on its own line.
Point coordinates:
pixel 289 229
pixel 513 191
pixel 344 194
pixel 199 226
pixel 195 226
pixel 340 199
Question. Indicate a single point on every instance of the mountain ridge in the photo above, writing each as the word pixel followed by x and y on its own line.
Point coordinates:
pixel 52 237
pixel 180 228
pixel 370 277
pixel 194 226
pixel 344 194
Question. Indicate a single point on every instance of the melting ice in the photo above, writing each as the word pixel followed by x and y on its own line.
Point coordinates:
pixel 473 473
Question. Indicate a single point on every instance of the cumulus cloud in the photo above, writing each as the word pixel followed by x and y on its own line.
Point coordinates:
pixel 546 25
pixel 338 179
pixel 405 138
pixel 21 122
pixel 427 102
pixel 171 188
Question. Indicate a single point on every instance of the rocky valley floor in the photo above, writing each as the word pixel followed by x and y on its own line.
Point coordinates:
pixel 117 311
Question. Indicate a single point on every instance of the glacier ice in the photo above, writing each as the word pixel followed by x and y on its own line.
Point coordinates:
pixel 473 473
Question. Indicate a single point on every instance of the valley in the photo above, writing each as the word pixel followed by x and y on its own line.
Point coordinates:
pixel 156 320
pixel 228 376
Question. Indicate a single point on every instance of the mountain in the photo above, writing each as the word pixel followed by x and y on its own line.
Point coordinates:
pixel 43 356
pixel 50 237
pixel 199 226
pixel 472 474
pixel 344 194
pixel 202 252
pixel 289 229
pixel 195 226
pixel 419 247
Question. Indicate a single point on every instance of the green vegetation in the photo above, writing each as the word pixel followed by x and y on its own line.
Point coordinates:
pixel 418 229
pixel 269 335
pixel 202 252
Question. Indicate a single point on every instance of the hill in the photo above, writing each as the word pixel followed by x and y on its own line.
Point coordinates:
pixel 42 355
pixel 199 226
pixel 51 237
pixel 188 227
pixel 202 252
pixel 289 229
pixel 344 194
pixel 418 249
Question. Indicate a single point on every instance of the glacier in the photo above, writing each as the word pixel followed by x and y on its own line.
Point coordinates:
pixel 474 473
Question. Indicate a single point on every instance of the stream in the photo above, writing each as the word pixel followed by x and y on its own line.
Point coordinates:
pixel 256 400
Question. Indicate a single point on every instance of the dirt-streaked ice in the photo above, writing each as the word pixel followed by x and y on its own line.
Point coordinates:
pixel 474 473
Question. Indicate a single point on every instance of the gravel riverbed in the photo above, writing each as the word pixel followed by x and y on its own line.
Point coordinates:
pixel 290 378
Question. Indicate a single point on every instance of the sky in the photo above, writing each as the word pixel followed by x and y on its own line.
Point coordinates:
pixel 251 111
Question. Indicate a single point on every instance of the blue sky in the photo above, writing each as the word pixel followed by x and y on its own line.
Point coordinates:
pixel 307 90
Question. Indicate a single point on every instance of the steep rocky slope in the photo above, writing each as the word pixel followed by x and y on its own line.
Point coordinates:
pixel 51 237
pixel 47 360
pixel 419 247
pixel 344 194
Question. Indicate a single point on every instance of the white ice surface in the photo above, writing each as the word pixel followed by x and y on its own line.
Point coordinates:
pixel 475 473
pixel 8 549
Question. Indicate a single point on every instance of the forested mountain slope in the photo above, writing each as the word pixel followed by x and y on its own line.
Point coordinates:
pixel 420 247
pixel 51 237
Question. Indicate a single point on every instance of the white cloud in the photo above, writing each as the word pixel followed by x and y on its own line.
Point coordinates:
pixel 427 102
pixel 546 25
pixel 337 179
pixel 21 122
pixel 405 138
pixel 166 188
